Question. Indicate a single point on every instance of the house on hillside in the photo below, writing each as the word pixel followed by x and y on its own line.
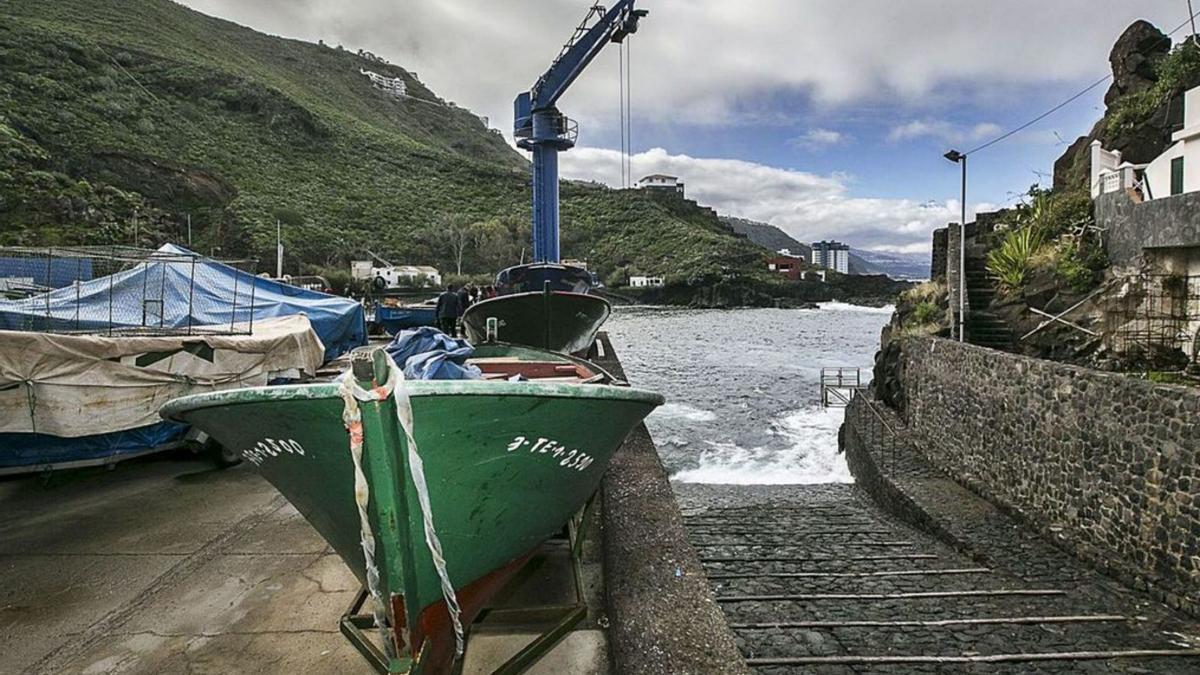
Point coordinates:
pixel 661 182
pixel 1149 217
pixel 645 281
pixel 393 86
pixel 788 265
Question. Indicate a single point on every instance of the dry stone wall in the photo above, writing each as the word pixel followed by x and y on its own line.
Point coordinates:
pixel 1105 463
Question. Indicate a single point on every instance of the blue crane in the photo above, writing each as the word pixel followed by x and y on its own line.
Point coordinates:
pixel 539 126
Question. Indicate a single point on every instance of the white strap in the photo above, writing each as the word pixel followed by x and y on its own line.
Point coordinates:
pixel 404 414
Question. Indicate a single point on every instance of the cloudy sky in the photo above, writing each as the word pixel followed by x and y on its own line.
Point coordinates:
pixel 827 119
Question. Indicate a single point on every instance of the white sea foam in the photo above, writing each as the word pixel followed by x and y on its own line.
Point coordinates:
pixel 683 411
pixel 810 455
pixel 836 306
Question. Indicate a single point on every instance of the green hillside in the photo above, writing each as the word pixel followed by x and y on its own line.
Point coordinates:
pixel 112 110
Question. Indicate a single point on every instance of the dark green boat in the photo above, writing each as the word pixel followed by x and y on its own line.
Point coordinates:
pixel 545 305
pixel 507 463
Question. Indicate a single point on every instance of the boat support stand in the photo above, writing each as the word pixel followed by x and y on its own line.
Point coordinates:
pixel 355 624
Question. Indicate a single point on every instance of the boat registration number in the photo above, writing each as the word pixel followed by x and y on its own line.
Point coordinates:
pixel 270 447
pixel 567 458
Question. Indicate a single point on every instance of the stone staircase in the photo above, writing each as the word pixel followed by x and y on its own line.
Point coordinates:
pixel 984 327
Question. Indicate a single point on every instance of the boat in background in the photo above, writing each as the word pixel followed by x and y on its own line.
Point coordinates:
pixel 393 318
pixel 507 460
pixel 545 305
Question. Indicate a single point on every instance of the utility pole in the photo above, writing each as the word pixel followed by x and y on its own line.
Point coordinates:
pixel 278 249
pixel 135 229
pixel 189 221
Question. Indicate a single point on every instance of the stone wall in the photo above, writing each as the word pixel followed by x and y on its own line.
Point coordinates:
pixel 953 272
pixel 1104 463
pixel 937 258
pixel 1158 223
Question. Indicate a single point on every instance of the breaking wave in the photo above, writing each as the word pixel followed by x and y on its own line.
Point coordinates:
pixel 804 451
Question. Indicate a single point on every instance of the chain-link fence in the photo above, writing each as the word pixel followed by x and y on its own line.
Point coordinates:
pixel 124 291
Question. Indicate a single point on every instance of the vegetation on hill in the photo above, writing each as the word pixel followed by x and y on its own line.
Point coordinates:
pixel 120 119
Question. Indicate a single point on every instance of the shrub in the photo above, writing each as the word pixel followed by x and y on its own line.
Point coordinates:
pixel 1076 265
pixel 925 312
pixel 1010 261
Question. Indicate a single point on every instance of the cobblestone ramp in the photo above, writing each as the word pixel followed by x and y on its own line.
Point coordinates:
pixel 814 579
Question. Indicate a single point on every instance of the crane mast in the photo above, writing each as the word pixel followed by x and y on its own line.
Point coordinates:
pixel 539 126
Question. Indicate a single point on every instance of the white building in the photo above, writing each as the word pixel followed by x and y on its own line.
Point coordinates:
pixel 645 282
pixel 831 255
pixel 658 181
pixel 1174 172
pixel 394 276
pixel 391 85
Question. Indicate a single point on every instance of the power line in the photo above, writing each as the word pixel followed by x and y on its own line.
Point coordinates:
pixel 1191 18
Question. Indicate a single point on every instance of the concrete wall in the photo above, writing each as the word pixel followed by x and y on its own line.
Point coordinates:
pixel 1106 464
pixel 1167 222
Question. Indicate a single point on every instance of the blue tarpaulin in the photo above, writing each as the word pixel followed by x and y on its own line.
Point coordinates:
pixel 179 290
pixel 47 272
pixel 428 354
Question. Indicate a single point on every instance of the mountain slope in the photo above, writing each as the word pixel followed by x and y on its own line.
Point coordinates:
pixel 862 262
pixel 112 110
pixel 910 266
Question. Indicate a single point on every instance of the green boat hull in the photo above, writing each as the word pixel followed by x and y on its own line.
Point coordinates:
pixel 557 320
pixel 507 464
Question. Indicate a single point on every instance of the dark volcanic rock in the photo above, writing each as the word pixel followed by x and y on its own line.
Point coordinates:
pixel 1133 58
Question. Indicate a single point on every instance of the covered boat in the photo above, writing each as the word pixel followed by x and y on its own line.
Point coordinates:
pixel 393 318
pixel 75 400
pixel 546 305
pixel 174 289
pixel 458 481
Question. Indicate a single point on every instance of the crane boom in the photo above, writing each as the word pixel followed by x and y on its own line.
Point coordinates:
pixel 539 126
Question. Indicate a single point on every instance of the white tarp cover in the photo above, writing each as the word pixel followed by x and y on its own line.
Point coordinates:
pixel 78 385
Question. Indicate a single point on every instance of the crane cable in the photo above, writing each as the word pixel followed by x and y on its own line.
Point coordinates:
pixel 629 107
pixel 621 86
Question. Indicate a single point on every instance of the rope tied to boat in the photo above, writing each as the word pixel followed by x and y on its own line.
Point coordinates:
pixel 352 393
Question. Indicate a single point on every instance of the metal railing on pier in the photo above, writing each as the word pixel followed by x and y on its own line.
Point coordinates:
pixel 839 385
pixel 881 436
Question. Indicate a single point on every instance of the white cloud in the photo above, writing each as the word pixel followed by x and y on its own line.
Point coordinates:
pixel 805 205
pixel 944 131
pixel 721 62
pixel 815 139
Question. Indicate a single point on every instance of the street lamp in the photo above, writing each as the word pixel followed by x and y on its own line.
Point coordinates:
pixel 960 158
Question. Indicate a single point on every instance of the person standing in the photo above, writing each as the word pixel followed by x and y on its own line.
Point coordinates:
pixel 448 310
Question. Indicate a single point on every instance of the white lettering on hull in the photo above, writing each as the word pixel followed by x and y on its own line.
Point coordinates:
pixel 270 447
pixel 568 459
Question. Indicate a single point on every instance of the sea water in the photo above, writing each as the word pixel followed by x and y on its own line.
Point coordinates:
pixel 743 387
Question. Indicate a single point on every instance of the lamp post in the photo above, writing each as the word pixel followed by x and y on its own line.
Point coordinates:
pixel 960 158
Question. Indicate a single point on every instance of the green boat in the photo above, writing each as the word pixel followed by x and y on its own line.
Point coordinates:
pixel 543 305
pixel 506 464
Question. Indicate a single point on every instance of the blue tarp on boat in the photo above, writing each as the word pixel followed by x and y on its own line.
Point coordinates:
pixel 180 290
pixel 429 354
pixel 29 452
pixel 47 272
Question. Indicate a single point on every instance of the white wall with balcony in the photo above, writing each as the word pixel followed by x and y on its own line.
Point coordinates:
pixel 1176 171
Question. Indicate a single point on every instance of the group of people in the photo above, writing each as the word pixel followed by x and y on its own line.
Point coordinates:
pixel 453 303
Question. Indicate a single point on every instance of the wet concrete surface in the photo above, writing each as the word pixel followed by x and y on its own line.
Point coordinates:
pixel 820 579
pixel 168 565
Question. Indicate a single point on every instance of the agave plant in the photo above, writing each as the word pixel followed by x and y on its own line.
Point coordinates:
pixel 1009 262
